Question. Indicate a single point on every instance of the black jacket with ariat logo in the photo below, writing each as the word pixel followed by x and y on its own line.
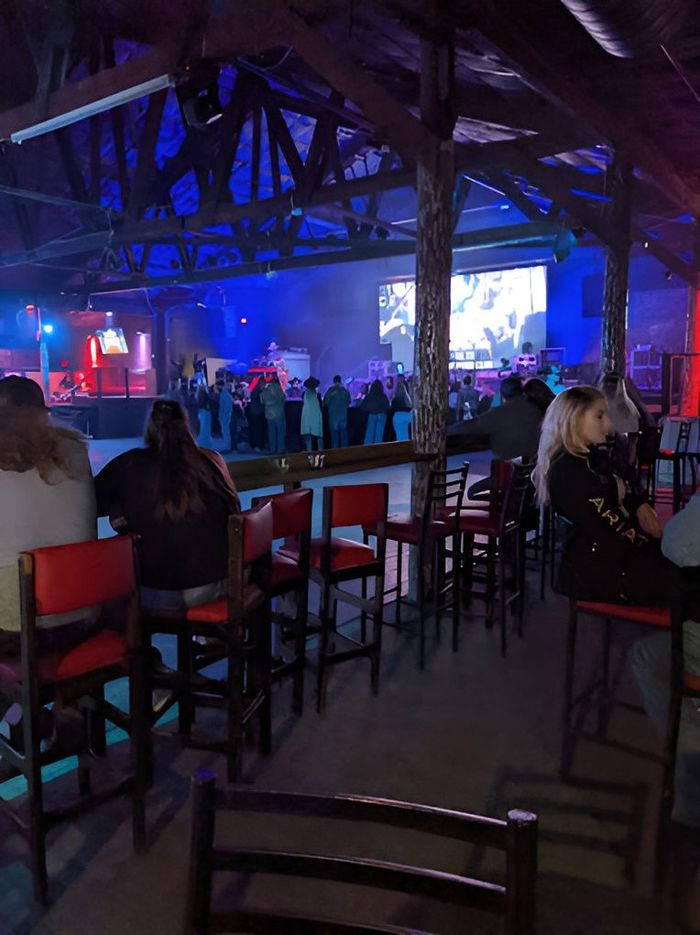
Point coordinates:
pixel 607 556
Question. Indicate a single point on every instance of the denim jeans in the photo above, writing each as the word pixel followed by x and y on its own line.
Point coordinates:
pixel 276 436
pixel 374 434
pixel 402 424
pixel 339 433
pixel 651 664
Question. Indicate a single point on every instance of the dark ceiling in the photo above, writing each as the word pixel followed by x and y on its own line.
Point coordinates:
pixel 320 105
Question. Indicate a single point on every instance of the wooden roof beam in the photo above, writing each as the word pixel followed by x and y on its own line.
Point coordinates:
pixel 506 35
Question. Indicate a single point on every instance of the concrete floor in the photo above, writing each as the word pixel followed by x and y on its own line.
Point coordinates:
pixel 473 731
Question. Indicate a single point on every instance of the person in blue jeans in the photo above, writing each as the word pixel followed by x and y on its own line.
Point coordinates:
pixel 401 408
pixel 273 399
pixel 376 405
pixel 337 401
pixel 651 664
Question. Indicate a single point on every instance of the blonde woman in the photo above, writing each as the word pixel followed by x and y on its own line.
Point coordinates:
pixel 612 549
pixel 47 497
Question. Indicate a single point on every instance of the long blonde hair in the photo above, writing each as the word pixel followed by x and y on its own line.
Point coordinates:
pixel 561 431
pixel 28 441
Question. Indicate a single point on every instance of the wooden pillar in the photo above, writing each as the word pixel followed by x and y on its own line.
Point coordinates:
pixel 617 257
pixel 690 405
pixel 435 182
pixel 159 349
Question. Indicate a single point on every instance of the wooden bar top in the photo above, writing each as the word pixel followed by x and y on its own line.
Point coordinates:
pixel 291 469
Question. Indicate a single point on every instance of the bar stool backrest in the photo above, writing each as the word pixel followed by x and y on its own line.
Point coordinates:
pixel 70 577
pixel 249 553
pixel 356 504
pixel 445 493
pixel 513 899
pixel 516 495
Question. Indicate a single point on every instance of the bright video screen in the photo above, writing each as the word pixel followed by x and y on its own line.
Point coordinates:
pixel 493 314
pixel 112 341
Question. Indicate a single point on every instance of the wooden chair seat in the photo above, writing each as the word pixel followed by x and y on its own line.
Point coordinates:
pixel 98 652
pixel 344 554
pixel 217 611
pixel 285 571
pixel 651 616
pixel 479 523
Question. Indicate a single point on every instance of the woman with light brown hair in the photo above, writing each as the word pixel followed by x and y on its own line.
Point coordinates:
pixel 612 547
pixel 47 498
pixel 177 497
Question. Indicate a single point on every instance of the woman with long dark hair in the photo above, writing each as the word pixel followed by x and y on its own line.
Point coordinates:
pixel 177 497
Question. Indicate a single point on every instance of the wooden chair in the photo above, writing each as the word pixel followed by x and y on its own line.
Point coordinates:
pixel 236 630
pixel 599 689
pixel 501 527
pixel 291 521
pixel 517 837
pixel 60 580
pixel 336 560
pixel 682 456
pixel 429 532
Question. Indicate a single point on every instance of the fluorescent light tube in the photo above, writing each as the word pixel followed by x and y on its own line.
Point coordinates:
pixel 94 107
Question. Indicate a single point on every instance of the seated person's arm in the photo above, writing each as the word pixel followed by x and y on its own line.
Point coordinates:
pixel 475 428
pixel 581 497
pixel 681 539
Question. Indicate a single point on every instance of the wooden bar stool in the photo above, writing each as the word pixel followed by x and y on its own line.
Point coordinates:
pixel 503 553
pixel 291 521
pixel 59 580
pixel 336 560
pixel 429 532
pixel 236 630
pixel 599 690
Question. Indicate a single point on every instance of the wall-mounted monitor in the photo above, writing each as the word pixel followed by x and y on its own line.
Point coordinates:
pixel 112 341
pixel 492 314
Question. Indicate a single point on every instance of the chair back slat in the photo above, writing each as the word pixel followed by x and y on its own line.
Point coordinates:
pixel 357 504
pixel 517 837
pixel 445 490
pixel 257 530
pixel 462 826
pixel 400 878
pixel 291 512
pixel 70 577
pixel 516 494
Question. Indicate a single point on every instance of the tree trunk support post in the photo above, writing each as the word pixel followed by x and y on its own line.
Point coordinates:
pixel 617 257
pixel 690 404
pixel 435 184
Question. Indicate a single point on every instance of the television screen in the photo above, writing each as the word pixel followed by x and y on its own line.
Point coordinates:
pixel 492 314
pixel 112 341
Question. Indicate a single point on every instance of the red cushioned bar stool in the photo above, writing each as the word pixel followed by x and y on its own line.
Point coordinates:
pixel 336 560
pixel 429 532
pixel 71 579
pixel 291 521
pixel 234 630
pixel 599 690
pixel 494 539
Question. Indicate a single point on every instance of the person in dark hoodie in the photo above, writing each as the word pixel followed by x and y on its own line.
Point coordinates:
pixel 376 405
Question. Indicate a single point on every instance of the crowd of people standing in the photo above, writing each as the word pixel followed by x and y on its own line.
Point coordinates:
pixel 234 415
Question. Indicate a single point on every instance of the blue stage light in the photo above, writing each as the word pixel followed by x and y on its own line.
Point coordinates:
pixel 47 329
